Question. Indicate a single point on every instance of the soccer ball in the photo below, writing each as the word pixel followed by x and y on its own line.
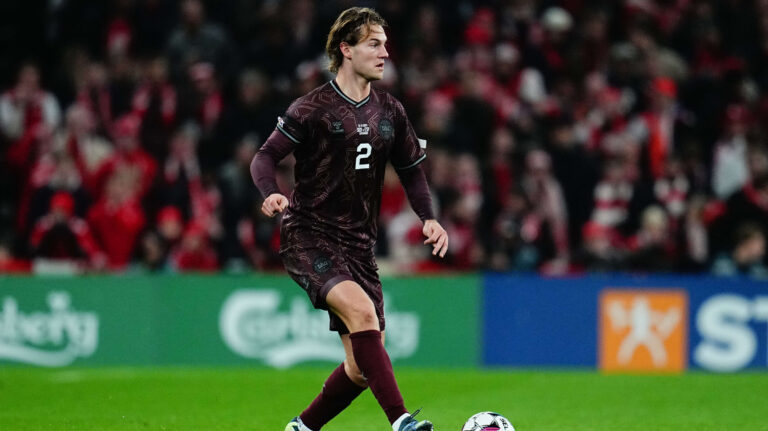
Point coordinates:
pixel 488 421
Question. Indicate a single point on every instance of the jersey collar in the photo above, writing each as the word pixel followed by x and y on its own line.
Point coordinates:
pixel 345 97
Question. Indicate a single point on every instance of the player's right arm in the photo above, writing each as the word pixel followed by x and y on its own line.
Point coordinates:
pixel 288 133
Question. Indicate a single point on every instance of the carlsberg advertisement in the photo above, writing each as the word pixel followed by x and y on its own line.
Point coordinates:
pixel 212 320
pixel 658 324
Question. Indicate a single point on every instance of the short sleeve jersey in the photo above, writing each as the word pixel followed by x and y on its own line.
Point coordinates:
pixel 341 150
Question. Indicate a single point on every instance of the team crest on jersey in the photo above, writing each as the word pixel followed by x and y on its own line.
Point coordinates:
pixel 337 128
pixel 385 129
pixel 363 129
pixel 322 264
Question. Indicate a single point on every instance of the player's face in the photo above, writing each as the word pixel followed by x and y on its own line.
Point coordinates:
pixel 369 54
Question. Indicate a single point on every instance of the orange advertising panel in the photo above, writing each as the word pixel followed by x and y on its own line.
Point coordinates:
pixel 643 330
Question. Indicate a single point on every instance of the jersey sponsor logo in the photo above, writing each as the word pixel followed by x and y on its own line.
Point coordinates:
pixel 284 331
pixel 337 128
pixel 643 330
pixel 363 129
pixel 52 338
pixel 385 129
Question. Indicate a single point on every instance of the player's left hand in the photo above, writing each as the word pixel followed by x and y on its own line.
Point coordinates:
pixel 437 236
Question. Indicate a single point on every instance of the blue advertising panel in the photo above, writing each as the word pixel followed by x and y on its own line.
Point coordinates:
pixel 530 320
pixel 626 323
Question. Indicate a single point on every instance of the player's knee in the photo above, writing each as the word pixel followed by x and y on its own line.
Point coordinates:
pixel 364 318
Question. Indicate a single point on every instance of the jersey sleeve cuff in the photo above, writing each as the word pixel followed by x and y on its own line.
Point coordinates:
pixel 419 160
pixel 288 135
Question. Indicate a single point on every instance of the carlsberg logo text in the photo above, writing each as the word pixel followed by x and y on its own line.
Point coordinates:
pixel 52 338
pixel 252 325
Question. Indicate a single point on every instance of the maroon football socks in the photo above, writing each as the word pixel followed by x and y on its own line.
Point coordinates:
pixel 338 393
pixel 374 362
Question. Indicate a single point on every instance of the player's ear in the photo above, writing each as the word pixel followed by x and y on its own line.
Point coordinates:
pixel 346 50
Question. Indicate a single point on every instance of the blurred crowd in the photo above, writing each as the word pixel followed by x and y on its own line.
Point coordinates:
pixel 563 137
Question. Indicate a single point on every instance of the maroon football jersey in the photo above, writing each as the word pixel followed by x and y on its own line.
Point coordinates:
pixel 341 149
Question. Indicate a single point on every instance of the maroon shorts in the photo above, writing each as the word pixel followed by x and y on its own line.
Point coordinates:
pixel 318 264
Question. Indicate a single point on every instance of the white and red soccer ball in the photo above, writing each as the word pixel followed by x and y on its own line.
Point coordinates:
pixel 487 421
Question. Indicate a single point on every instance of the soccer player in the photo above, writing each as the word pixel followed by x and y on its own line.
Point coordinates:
pixel 342 134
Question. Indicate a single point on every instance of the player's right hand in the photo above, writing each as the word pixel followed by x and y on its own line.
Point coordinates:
pixel 274 204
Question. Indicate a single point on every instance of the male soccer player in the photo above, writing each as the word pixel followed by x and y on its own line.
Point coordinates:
pixel 342 134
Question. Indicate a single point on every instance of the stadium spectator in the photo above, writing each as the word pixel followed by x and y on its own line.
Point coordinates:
pixel 194 252
pixel 602 249
pixel 128 159
pixel 551 42
pixel 604 125
pixel 729 167
pixel 749 205
pixel 155 103
pixel 614 193
pixel 514 235
pixel 80 138
pixel 237 197
pixel 747 255
pixel 671 190
pixel 29 116
pixel 253 113
pixel 27 109
pixel 62 236
pixel 204 105
pixel 181 170
pixel 655 128
pixel 460 211
pixel 53 170
pixel 473 117
pixel 94 94
pixel 122 72
pixel 500 171
pixel 170 225
pixel 117 218
pixel 196 40
pixel 652 247
pixel 577 170
pixel 546 196
pixel 206 206
pixel 520 89
pixel 152 254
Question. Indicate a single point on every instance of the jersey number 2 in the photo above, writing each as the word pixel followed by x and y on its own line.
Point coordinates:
pixel 363 152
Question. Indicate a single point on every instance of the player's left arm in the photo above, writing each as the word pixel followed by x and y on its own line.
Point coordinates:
pixel 408 153
pixel 416 188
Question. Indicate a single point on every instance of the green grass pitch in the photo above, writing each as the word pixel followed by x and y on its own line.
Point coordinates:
pixel 243 399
